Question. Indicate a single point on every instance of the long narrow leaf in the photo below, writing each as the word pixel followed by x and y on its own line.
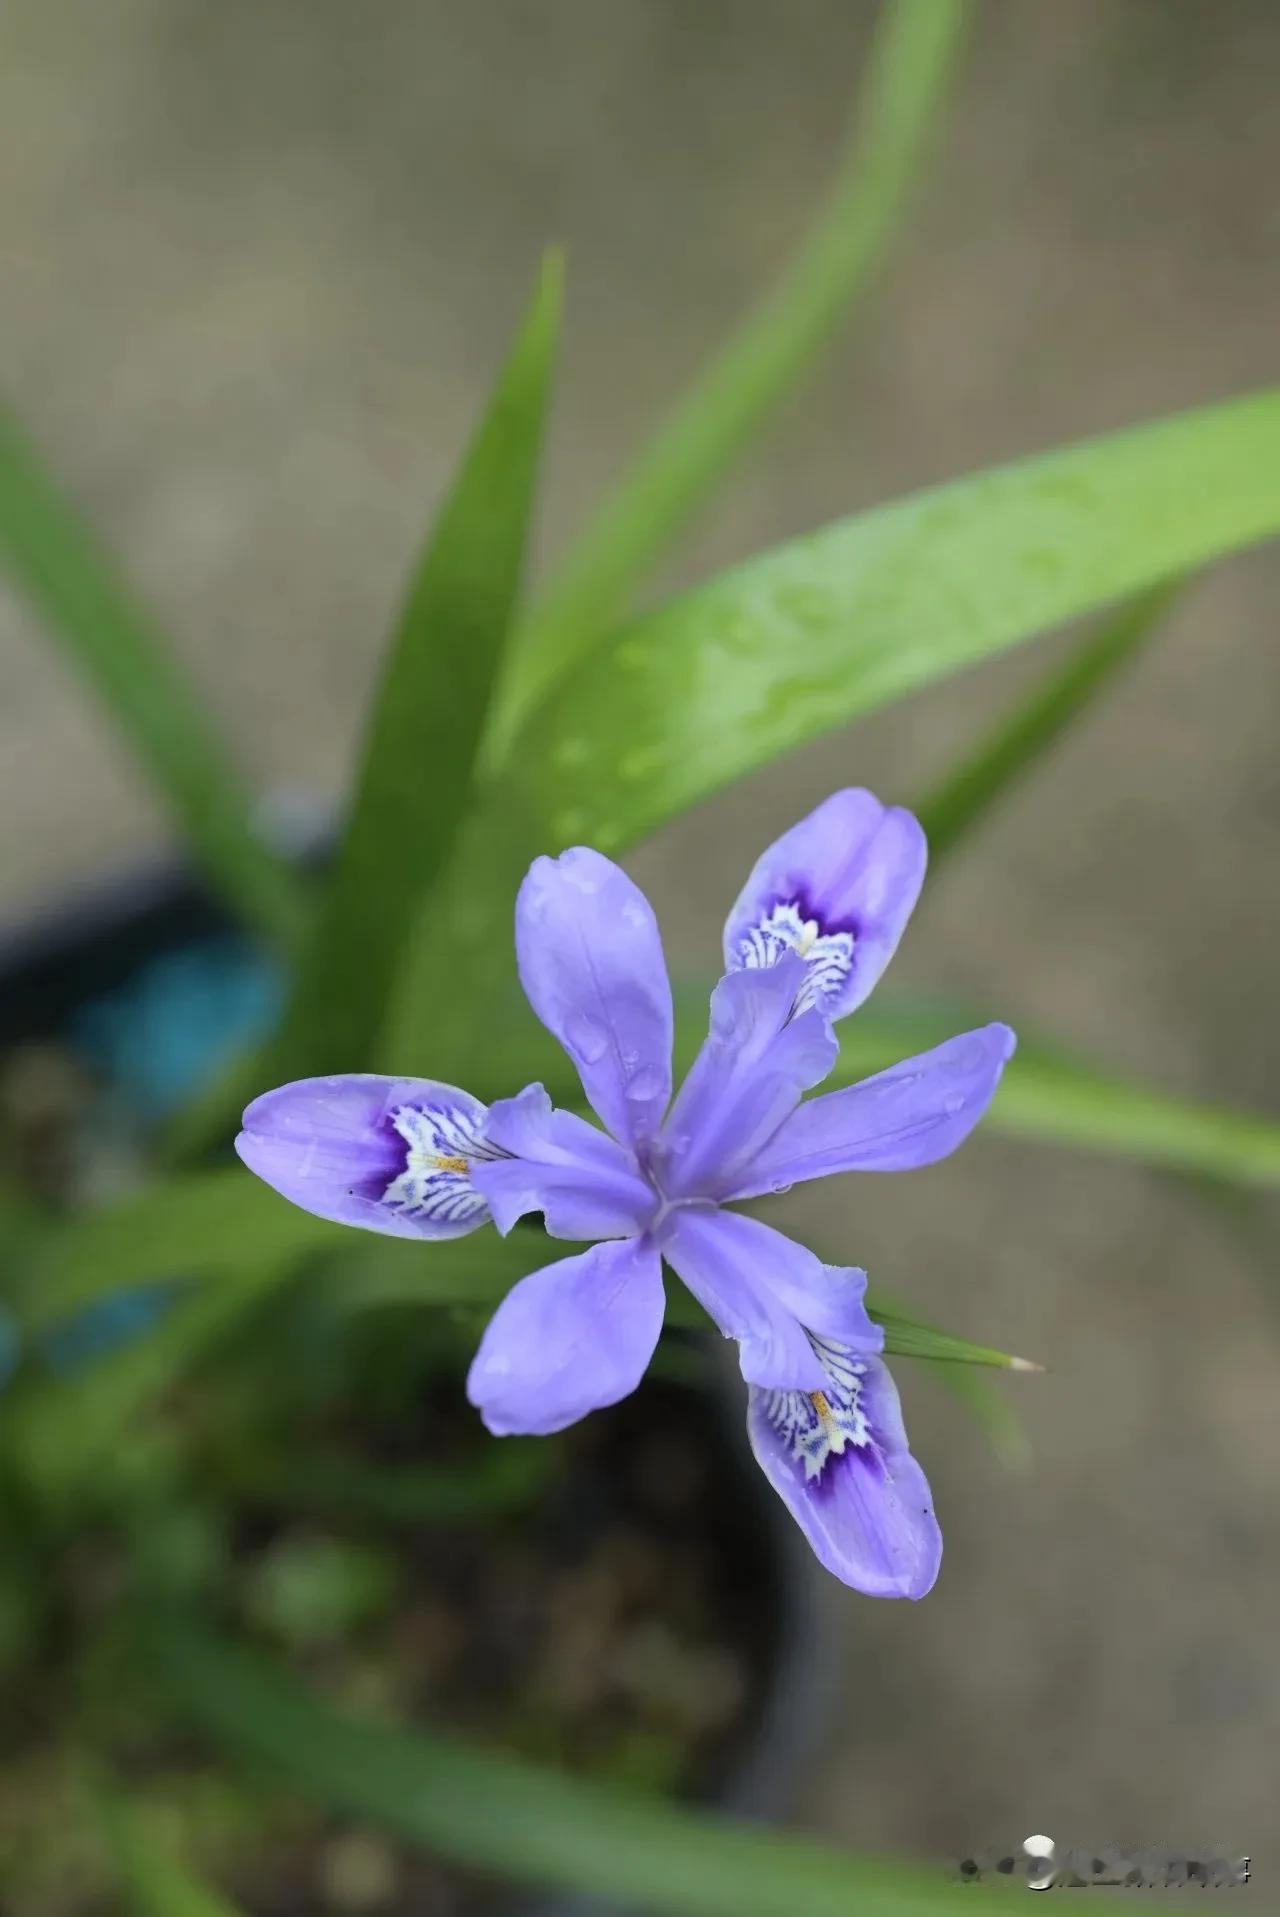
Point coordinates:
pixel 56 562
pixel 798 640
pixel 827 627
pixel 913 1338
pixel 967 794
pixel 213 1224
pixel 908 72
pixel 502 1814
pixel 415 781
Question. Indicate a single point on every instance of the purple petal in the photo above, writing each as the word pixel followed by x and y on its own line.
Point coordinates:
pixel 583 1182
pixel 762 1289
pixel 591 964
pixel 844 1470
pixel 391 1154
pixel 568 1339
pixel 908 1116
pixel 754 1064
pixel 838 888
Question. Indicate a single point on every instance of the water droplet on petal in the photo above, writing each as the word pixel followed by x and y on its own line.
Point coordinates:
pixel 587 1036
pixel 780 1191
pixel 646 1083
pixel 953 1104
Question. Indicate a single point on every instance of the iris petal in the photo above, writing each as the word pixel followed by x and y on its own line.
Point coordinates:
pixel 757 1059
pixel 584 1183
pixel 762 1288
pixel 838 889
pixel 908 1116
pixel 591 964
pixel 568 1339
pixel 391 1154
pixel 840 1462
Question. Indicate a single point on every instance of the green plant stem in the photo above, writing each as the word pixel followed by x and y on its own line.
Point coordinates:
pixel 499 1813
pixel 58 564
pixel 964 797
pixel 414 785
pixel 907 79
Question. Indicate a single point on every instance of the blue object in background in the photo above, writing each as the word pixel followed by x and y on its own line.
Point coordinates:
pixel 151 1045
pixel 106 1323
pixel 159 1039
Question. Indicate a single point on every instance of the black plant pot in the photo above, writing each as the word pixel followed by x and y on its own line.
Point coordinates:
pixel 49 972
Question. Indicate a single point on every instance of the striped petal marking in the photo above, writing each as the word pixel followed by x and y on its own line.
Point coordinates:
pixel 816 1426
pixel 828 956
pixel 436 1183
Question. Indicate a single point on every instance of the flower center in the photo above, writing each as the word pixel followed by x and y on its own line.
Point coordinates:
pixel 435 1181
pixel 816 1426
pixel 828 955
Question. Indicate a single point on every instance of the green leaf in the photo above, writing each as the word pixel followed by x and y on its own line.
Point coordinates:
pixel 908 73
pixel 810 635
pixel 158 1885
pixel 914 1338
pixel 967 793
pixel 958 1367
pixel 805 637
pixel 61 1428
pixel 502 1814
pixel 56 562
pixel 1055 1098
pixel 414 786
pixel 214 1224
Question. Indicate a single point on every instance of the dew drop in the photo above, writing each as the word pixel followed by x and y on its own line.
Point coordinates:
pixel 780 1191
pixel 648 1082
pixel 587 1036
pixel 953 1104
pixel 641 762
pixel 583 874
pixel 571 752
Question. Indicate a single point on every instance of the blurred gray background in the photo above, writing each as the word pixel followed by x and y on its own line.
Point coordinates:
pixel 258 261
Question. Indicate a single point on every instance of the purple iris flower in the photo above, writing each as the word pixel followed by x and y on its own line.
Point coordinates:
pixel 812 930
